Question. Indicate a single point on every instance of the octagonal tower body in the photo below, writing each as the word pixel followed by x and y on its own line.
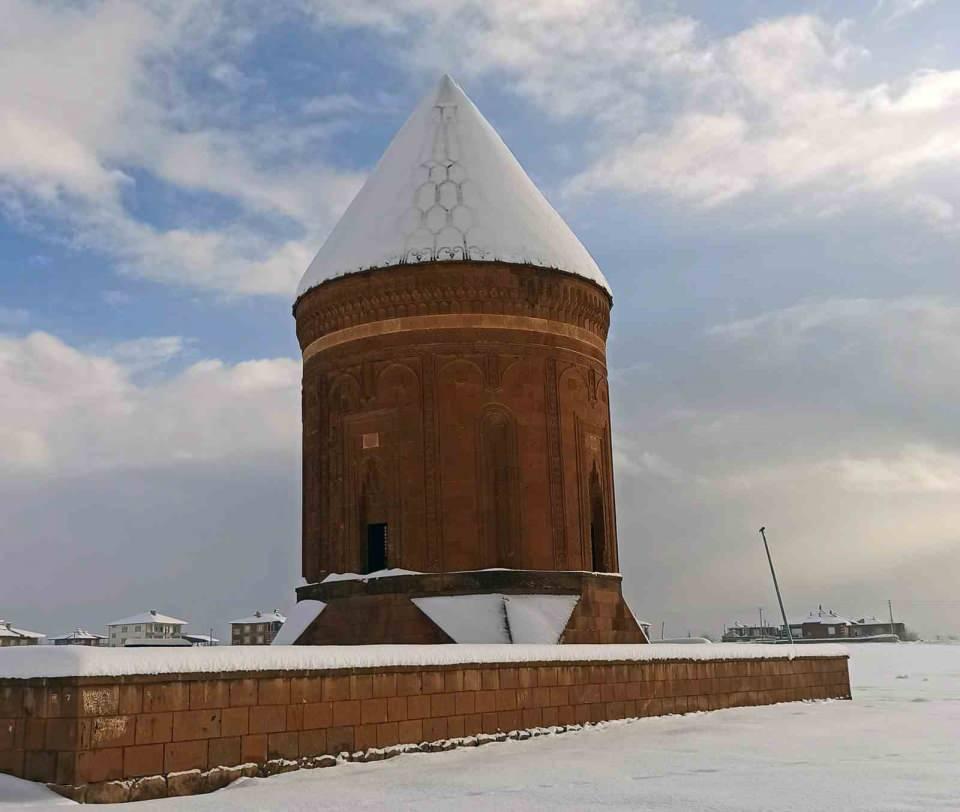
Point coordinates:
pixel 456 414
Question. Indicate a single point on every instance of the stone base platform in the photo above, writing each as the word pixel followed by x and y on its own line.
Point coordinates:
pixel 379 610
pixel 114 725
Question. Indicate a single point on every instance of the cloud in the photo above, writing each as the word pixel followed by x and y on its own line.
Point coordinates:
pixel 95 97
pixel 64 411
pixel 785 115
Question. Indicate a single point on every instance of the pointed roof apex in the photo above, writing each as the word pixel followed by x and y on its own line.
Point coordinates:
pixel 448 188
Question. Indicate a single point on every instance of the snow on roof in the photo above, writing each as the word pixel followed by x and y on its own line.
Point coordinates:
pixel 468 618
pixel 200 638
pixel 301 616
pixel 356 576
pixel 262 617
pixel 496 618
pixel 26 662
pixel 153 616
pixel 79 634
pixel 6 630
pixel 448 188
pixel 538 618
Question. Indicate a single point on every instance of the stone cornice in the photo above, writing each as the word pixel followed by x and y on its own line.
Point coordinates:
pixel 449 288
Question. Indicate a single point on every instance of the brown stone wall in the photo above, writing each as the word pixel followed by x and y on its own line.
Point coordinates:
pixel 381 611
pixel 465 406
pixel 87 732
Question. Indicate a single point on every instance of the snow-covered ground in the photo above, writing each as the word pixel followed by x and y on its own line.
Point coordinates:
pixel 895 747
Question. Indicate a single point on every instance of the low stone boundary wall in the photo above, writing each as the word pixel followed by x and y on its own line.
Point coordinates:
pixel 130 737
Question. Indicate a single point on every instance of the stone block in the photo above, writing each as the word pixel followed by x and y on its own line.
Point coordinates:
pixel 179 756
pixel 283 745
pixel 225 751
pixel 253 748
pixel 268 718
pixel 312 742
pixel 361 686
pixel 472 679
pixel 206 694
pixel 166 696
pixel 94 766
pixel 130 699
pixel 410 731
pixel 108 792
pixel 306 689
pixel 186 782
pixel 148 789
pixel 196 724
pixel 442 705
pixel 235 721
pixel 346 713
pixel 40 765
pixel 434 729
pixel 294 717
pixel 373 711
pixel 432 682
pixel 243 692
pixel 154 727
pixel 336 689
pixel 340 739
pixel 409 683
pixel 418 707
pixel 317 715
pixel 273 691
pixel 142 759
pixel 99 700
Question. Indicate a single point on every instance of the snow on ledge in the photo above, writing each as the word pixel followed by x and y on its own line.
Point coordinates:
pixel 355 576
pixel 26 662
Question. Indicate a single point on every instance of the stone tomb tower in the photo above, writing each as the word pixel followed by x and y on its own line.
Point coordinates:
pixel 456 419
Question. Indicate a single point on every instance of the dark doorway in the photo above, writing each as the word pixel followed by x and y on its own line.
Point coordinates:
pixel 598 535
pixel 376 547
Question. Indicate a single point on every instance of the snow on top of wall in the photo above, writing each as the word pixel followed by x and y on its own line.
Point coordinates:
pixel 448 188
pixel 24 662
pixel 468 618
pixel 356 576
pixel 301 616
pixel 538 618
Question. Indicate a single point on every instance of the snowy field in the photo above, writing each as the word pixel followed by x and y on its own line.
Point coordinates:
pixel 895 747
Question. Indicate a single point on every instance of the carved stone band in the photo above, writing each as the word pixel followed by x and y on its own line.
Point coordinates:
pixel 452 321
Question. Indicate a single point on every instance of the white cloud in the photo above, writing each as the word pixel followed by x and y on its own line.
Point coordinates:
pixel 784 114
pixel 917 469
pixel 92 94
pixel 66 411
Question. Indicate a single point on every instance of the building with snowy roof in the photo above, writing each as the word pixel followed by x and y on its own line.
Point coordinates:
pixel 12 636
pixel 150 626
pixel 257 629
pixel 79 637
pixel 456 418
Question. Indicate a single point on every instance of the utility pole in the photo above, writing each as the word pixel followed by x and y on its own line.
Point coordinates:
pixel 761 620
pixel 663 623
pixel 776 586
pixel 890 608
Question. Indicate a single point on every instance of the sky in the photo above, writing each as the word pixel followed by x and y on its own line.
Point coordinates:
pixel 772 190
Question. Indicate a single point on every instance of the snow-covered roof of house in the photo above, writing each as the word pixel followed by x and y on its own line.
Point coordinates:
pixel 828 617
pixel 262 617
pixel 200 638
pixel 448 188
pixel 6 630
pixel 79 634
pixel 153 616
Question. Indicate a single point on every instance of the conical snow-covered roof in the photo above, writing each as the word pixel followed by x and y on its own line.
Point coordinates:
pixel 448 188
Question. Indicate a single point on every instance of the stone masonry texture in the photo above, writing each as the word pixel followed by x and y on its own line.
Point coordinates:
pixel 128 737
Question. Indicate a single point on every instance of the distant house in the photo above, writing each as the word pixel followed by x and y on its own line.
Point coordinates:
pixel 10 636
pixel 869 626
pixel 742 633
pixel 821 624
pixel 257 630
pixel 79 637
pixel 149 626
pixel 200 639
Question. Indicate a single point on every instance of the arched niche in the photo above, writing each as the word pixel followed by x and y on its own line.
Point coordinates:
pixel 500 485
